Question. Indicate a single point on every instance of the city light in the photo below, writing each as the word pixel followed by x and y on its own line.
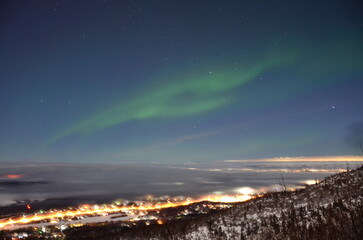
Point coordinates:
pixel 103 209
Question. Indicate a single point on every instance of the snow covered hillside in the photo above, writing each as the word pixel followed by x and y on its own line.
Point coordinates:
pixel 330 209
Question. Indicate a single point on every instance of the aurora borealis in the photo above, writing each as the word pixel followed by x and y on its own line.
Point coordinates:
pixel 177 82
pixel 194 95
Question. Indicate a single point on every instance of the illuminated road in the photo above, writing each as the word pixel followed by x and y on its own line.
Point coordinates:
pixel 90 210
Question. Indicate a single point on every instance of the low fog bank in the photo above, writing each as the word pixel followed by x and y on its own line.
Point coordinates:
pixel 105 182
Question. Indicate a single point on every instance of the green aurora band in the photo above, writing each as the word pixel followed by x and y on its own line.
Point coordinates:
pixel 194 95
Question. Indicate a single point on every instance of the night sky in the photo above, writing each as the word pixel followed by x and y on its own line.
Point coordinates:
pixel 179 81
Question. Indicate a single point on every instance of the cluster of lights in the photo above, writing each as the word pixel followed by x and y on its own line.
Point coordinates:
pixel 88 210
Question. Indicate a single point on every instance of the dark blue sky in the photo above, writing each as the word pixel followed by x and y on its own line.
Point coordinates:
pixel 179 81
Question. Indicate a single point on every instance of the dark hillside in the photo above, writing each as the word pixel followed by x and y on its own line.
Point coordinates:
pixel 331 209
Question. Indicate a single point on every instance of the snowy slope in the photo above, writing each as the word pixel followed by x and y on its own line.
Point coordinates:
pixel 331 209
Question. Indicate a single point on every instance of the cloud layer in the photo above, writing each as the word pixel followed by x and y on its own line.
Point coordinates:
pixel 92 182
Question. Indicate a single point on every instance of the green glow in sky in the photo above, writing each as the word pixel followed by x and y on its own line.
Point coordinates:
pixel 183 97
